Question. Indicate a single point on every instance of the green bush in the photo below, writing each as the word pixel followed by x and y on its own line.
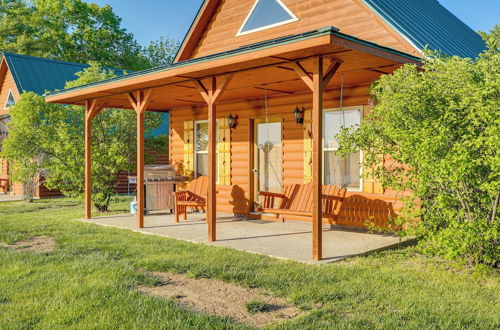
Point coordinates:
pixel 443 123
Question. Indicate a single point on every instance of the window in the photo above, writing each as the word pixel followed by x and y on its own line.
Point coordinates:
pixel 10 101
pixel 4 130
pixel 4 120
pixel 266 14
pixel 201 148
pixel 269 156
pixel 338 171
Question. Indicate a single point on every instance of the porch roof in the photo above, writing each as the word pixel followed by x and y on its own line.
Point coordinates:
pixel 265 64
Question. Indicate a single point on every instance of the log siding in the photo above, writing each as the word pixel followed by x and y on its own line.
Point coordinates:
pixel 236 198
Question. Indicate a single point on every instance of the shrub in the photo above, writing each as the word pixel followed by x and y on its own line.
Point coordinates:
pixel 443 124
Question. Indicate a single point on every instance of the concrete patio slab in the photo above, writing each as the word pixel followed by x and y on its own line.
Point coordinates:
pixel 290 240
pixel 10 198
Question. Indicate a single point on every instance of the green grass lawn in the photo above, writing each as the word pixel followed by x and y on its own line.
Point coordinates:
pixel 89 280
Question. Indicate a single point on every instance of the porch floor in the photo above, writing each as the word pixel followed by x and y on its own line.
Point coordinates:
pixel 289 240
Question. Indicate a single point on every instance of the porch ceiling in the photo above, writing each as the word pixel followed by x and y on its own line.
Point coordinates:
pixel 265 67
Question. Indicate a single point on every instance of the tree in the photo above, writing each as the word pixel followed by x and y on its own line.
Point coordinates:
pixel 161 52
pixel 492 38
pixel 77 31
pixel 50 138
pixel 74 30
pixel 442 123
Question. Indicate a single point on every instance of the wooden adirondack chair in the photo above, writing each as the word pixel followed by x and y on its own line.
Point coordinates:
pixel 296 202
pixel 4 183
pixel 195 196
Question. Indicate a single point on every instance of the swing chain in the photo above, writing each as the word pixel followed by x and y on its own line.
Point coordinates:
pixel 266 108
pixel 342 98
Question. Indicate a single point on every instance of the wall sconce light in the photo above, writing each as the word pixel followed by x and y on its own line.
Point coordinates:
pixel 299 115
pixel 232 121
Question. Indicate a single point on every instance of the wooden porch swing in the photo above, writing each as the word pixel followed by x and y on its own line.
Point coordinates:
pixel 296 202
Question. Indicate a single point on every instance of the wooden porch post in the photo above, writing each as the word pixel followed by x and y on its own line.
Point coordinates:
pixel 215 89
pixel 317 83
pixel 140 169
pixel 140 101
pixel 317 156
pixel 92 108
pixel 212 164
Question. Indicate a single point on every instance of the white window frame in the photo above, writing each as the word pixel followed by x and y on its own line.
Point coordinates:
pixel 324 150
pixel 5 107
pixel 293 19
pixel 205 152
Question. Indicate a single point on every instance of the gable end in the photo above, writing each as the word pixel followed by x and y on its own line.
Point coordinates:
pixel 7 86
pixel 220 25
pixel 407 26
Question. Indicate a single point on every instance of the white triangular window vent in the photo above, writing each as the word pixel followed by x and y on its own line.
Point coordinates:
pixel 266 14
pixel 10 101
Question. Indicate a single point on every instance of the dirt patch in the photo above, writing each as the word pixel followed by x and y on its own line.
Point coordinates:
pixel 38 244
pixel 222 299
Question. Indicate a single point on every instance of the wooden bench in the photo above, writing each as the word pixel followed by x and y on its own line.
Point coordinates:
pixel 296 202
pixel 194 196
pixel 4 183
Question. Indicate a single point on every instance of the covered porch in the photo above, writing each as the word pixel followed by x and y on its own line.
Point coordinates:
pixel 290 240
pixel 306 66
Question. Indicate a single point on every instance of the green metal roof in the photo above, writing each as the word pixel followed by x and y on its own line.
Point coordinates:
pixel 38 75
pixel 244 50
pixel 427 23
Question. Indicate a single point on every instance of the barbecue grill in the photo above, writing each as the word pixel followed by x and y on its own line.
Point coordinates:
pixel 160 182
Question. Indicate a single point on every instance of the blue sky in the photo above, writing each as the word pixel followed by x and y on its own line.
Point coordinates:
pixel 148 20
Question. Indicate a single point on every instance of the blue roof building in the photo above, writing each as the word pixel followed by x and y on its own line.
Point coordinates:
pixel 38 75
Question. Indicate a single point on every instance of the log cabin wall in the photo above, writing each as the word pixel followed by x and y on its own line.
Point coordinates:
pixel 7 84
pixel 235 198
pixel 350 16
pixel 122 185
pixel 44 192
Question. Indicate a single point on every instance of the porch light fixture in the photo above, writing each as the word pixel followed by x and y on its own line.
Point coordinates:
pixel 299 115
pixel 232 121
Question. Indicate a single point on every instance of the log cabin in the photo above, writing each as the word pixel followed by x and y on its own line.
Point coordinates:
pixel 21 73
pixel 260 88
